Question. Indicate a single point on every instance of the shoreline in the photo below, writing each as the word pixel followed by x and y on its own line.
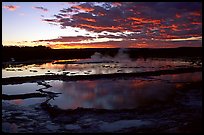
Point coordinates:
pixel 18 80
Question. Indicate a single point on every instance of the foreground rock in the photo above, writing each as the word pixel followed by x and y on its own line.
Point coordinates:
pixel 182 115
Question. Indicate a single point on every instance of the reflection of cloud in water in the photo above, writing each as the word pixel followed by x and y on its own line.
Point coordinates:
pixel 112 94
pixel 196 76
pixel 17 101
pixel 119 63
pixel 107 93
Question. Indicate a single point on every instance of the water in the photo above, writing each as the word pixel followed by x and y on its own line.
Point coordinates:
pixel 102 93
pixel 83 67
pixel 107 93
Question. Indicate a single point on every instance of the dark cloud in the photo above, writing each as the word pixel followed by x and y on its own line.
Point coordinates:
pixel 42 9
pixel 66 10
pixel 146 20
pixel 67 39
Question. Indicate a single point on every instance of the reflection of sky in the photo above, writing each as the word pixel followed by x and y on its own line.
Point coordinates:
pixel 193 77
pixel 108 94
pixel 139 65
pixel 20 88
pixel 118 94
pixel 112 94
pixel 26 102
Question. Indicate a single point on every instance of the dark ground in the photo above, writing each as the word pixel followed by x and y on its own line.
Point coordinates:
pixel 183 114
pixel 45 53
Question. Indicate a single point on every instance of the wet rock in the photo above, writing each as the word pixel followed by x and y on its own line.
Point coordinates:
pixel 43 131
pixel 31 114
pixel 122 124
pixel 65 119
pixel 17 113
pixel 50 73
pixel 30 128
pixel 172 130
pixel 9 128
pixel 72 127
pixel 65 73
pixel 88 121
pixel 22 130
pixel 22 117
pixel 52 127
pixel 185 124
pixel 6 127
pixel 10 70
pixel 33 71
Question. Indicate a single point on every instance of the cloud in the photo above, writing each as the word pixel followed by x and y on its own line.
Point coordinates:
pixel 156 21
pixel 130 17
pixel 129 44
pixel 10 7
pixel 42 9
pixel 185 39
pixel 67 39
pixel 87 7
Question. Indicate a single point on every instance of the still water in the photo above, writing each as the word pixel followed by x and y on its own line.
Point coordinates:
pixel 84 67
pixel 107 93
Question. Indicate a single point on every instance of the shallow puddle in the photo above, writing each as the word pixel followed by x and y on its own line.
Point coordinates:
pixel 108 93
pixel 85 67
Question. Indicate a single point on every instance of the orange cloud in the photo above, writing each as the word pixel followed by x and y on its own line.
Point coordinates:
pixel 172 27
pixel 10 7
pixel 195 13
pixel 81 46
pixel 100 27
pixel 178 16
pixel 101 14
pixel 87 9
pixel 142 20
pixel 196 23
pixel 90 20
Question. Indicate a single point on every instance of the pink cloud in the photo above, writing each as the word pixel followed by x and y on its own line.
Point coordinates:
pixel 10 7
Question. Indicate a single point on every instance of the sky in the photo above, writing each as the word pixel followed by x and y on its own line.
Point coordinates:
pixel 102 24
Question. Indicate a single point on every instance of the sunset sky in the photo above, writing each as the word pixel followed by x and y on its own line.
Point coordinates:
pixel 102 24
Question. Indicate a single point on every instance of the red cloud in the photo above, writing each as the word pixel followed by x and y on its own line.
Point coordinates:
pixel 10 7
pixel 197 23
pixel 196 13
pixel 145 20
pixel 90 20
pixel 85 7
pixel 178 16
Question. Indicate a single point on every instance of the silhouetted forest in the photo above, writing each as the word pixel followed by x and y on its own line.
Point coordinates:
pixel 45 53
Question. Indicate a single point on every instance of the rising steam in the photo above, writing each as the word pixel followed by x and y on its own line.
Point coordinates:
pixel 121 56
